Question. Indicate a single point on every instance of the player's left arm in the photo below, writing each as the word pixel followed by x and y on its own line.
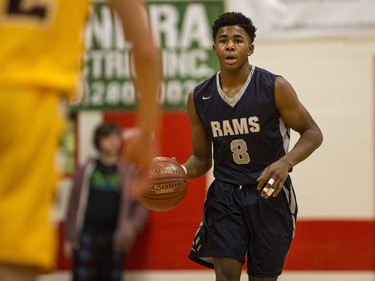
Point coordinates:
pixel 296 117
pixel 146 54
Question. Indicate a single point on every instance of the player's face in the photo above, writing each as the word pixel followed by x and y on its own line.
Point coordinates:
pixel 232 47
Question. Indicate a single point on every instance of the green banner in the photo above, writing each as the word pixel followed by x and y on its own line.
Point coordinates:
pixel 182 29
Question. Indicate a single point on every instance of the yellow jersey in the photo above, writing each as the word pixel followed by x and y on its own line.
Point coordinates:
pixel 41 42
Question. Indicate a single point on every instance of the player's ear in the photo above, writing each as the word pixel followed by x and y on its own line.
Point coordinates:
pixel 214 49
pixel 251 50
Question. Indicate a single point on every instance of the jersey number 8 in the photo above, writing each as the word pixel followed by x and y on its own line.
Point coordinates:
pixel 239 149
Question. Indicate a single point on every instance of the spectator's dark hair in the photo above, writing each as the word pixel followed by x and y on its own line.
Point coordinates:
pixel 234 18
pixel 104 130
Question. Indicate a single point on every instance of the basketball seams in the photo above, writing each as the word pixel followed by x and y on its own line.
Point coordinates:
pixel 167 180
pixel 155 198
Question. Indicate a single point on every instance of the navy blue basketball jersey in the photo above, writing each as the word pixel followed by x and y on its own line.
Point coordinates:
pixel 247 131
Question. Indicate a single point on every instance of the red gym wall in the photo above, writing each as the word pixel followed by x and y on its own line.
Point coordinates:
pixel 165 243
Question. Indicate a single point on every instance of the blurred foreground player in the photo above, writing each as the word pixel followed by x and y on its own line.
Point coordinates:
pixel 40 55
pixel 243 113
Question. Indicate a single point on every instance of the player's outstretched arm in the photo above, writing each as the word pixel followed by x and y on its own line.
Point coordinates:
pixel 296 116
pixel 133 16
pixel 201 159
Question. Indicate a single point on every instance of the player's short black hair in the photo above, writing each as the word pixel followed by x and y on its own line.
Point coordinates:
pixel 234 18
pixel 103 130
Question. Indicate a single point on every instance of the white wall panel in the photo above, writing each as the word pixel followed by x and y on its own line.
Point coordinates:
pixel 334 79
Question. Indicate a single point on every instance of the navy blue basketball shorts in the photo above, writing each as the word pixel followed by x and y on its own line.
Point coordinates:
pixel 239 223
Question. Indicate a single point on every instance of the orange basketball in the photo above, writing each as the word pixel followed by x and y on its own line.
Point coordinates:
pixel 167 185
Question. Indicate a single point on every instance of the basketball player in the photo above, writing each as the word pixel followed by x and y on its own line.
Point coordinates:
pixel 40 63
pixel 244 114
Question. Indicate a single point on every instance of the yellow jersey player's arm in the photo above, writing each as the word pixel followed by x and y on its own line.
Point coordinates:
pixel 142 148
pixel 133 16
